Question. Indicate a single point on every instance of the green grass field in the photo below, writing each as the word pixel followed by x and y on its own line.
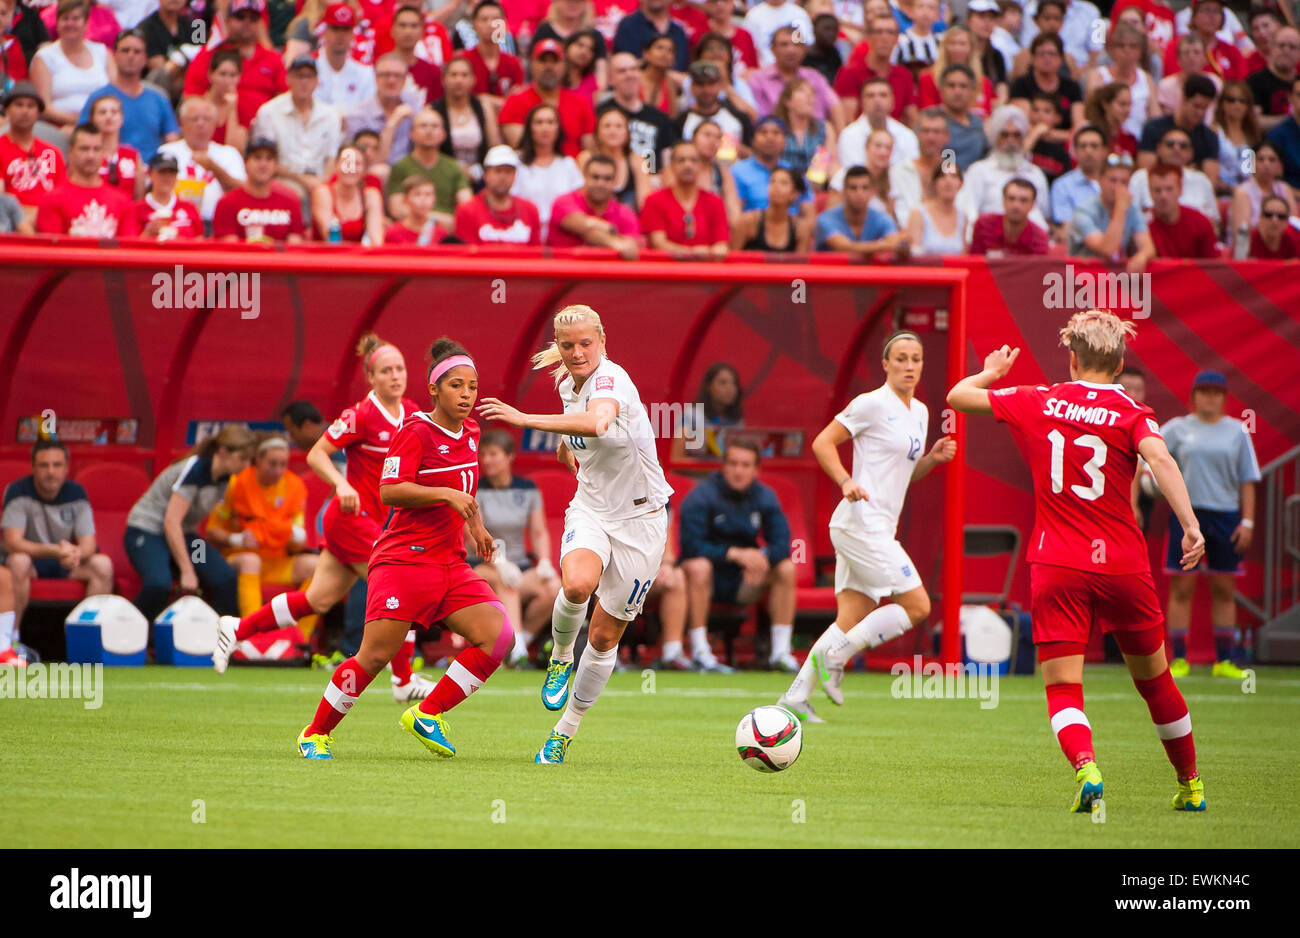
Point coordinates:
pixel 648 769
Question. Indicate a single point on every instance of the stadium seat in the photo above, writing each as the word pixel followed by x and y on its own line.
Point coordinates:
pixel 113 488
pixel 813 601
pixel 11 470
pixel 983 541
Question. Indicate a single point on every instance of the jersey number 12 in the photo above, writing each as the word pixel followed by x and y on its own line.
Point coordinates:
pixel 1092 468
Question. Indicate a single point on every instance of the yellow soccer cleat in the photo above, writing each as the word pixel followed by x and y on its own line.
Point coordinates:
pixel 1191 795
pixel 1179 668
pixel 316 746
pixel 1227 669
pixel 430 729
pixel 1089 779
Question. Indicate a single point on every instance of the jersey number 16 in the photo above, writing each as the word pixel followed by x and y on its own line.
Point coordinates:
pixel 1092 468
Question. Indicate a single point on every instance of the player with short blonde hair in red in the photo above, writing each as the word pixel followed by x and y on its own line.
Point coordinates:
pixel 1088 560
pixel 353 517
pixel 418 570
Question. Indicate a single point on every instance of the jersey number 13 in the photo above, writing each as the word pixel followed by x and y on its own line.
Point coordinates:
pixel 1091 468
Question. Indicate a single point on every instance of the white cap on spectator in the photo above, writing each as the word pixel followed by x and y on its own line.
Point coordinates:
pixel 500 155
pixel 982 6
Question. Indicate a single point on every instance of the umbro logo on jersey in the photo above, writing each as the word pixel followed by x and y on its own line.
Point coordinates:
pixel 473 446
pixel 383 434
pixel 391 602
pixel 444 449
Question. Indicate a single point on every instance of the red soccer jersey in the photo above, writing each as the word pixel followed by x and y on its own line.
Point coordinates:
pixel 365 430
pixel 30 175
pixel 429 455
pixel 261 79
pixel 85 212
pixel 1080 440
pixel 118 170
pixel 508 76
pixel 1191 236
pixel 181 219
pixel 576 115
pixel 278 215
pixel 479 223
pixel 852 76
pixel 706 223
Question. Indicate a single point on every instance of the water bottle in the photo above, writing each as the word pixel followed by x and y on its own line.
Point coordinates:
pixel 1241 244
pixel 336 233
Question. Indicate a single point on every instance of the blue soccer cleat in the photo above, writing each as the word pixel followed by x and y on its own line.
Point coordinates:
pixel 553 750
pixel 430 729
pixel 555 692
pixel 316 746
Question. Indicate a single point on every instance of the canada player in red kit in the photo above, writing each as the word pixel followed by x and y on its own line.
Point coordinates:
pixel 352 519
pixel 1088 561
pixel 418 571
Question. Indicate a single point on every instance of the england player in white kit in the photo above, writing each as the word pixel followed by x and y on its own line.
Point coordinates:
pixel 888 427
pixel 615 529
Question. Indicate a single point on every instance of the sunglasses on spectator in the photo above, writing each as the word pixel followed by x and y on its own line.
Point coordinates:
pixel 689 221
pixel 1279 216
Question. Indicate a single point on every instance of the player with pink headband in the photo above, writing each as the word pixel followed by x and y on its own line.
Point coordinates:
pixel 418 570
pixel 353 517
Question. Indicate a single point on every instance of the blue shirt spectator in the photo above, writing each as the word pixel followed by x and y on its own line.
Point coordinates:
pixel 752 178
pixel 147 119
pixel 833 222
pixel 635 30
pixel 1092 216
pixel 1286 137
pixel 1069 192
pixel 715 517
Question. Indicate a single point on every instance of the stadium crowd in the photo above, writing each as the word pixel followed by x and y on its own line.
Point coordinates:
pixel 884 129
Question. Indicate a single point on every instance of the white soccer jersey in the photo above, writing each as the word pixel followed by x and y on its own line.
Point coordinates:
pixel 888 439
pixel 618 472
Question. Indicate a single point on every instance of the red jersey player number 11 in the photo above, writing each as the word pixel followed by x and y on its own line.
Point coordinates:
pixel 418 572
pixel 1088 561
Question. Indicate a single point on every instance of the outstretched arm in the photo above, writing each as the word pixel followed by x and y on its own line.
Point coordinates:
pixel 970 395
pixel 594 421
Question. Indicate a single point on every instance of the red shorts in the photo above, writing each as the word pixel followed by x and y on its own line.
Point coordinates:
pixel 1066 603
pixel 349 536
pixel 423 593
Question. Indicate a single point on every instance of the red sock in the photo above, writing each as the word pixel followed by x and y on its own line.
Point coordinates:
pixel 349 680
pixel 285 609
pixel 1073 732
pixel 401 663
pixel 1173 723
pixel 465 675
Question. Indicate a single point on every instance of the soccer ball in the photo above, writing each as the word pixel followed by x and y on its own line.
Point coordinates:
pixel 769 739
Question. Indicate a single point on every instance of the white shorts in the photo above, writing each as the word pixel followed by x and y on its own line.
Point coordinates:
pixel 629 551
pixel 871 564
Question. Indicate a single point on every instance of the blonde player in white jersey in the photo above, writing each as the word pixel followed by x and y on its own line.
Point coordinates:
pixel 615 528
pixel 888 427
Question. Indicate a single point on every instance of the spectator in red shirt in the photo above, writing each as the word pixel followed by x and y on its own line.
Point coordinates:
pixel 591 215
pixel 576 114
pixel 719 20
pixel 161 215
pixel 257 210
pixel 263 75
pixel 418 226
pixel 871 59
pixel 12 61
pixel 494 216
pixel 31 167
pixel 422 76
pixel 1011 232
pixel 1176 230
pixel 82 205
pixel 122 167
pixel 683 219
pixel 1273 238
pixel 1222 59
pixel 496 73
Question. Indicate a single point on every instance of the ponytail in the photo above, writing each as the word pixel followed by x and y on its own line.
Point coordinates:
pixel 569 316
pixel 366 348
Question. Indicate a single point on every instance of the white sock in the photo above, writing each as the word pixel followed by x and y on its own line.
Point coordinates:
pixel 781 635
pixel 6 630
pixel 521 644
pixel 802 685
pixel 882 625
pixel 700 642
pixel 672 651
pixel 589 679
pixel 566 620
